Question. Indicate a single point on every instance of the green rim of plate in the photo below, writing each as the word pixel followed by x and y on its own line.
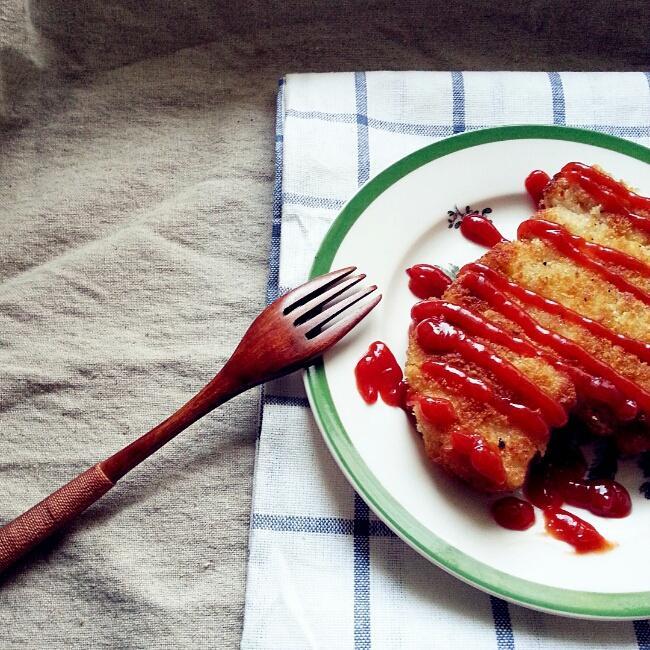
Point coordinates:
pixel 567 602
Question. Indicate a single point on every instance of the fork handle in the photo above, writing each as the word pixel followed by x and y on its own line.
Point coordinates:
pixel 55 511
pixel 32 527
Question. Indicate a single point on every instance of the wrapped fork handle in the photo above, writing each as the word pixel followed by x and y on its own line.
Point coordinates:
pixel 23 533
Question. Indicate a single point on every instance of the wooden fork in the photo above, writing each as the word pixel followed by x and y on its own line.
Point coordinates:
pixel 289 334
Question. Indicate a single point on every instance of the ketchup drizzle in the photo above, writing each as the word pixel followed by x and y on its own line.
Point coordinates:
pixel 604 498
pixel 588 386
pixel 611 255
pixel 622 193
pixel 427 281
pixel 480 230
pixel 529 297
pixel 513 513
pixel 438 411
pixel 570 245
pixel 478 390
pixel 435 336
pixel 536 183
pixel 557 479
pixel 573 530
pixel 483 458
pixel 446 328
pixel 614 197
pixel 378 373
pixel 473 278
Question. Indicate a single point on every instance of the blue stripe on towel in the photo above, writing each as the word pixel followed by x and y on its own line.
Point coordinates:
pixel 362 636
pixel 276 227
pixel 642 631
pixel 502 624
pixel 458 102
pixel 363 151
pixel 379 529
pixel 341 118
pixel 319 525
pixel 622 131
pixel 557 93
pixel 445 130
pixel 286 400
pixel 273 281
pixel 308 201
pixel 405 128
pixel 361 575
pixel 299 524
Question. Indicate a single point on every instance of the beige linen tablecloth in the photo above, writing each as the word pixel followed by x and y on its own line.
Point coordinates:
pixel 134 227
pixel 135 209
pixel 133 254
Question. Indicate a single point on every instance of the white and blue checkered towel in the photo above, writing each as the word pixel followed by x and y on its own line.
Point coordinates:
pixel 323 571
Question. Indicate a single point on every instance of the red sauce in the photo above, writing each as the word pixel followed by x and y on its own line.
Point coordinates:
pixel 568 245
pixel 597 389
pixel 438 411
pixel 435 337
pixel 627 197
pixel 528 297
pixel 474 278
pixel 483 457
pixel 556 480
pixel 614 197
pixel 546 478
pixel 571 529
pixel 541 493
pixel 426 281
pixel 632 442
pixel 611 255
pixel 476 389
pixel 559 479
pixel 588 387
pixel 471 323
pixel 536 183
pixel 513 513
pixel 480 230
pixel 604 498
pixel 378 373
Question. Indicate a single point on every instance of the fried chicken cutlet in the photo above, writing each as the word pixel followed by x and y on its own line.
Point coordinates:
pixel 550 325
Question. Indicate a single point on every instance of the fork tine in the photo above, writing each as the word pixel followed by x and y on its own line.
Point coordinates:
pixel 331 312
pixel 333 334
pixel 305 292
pixel 302 313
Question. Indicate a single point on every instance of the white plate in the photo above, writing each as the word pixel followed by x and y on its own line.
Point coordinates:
pixel 399 219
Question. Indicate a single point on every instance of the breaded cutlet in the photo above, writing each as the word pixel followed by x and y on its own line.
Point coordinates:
pixel 534 332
